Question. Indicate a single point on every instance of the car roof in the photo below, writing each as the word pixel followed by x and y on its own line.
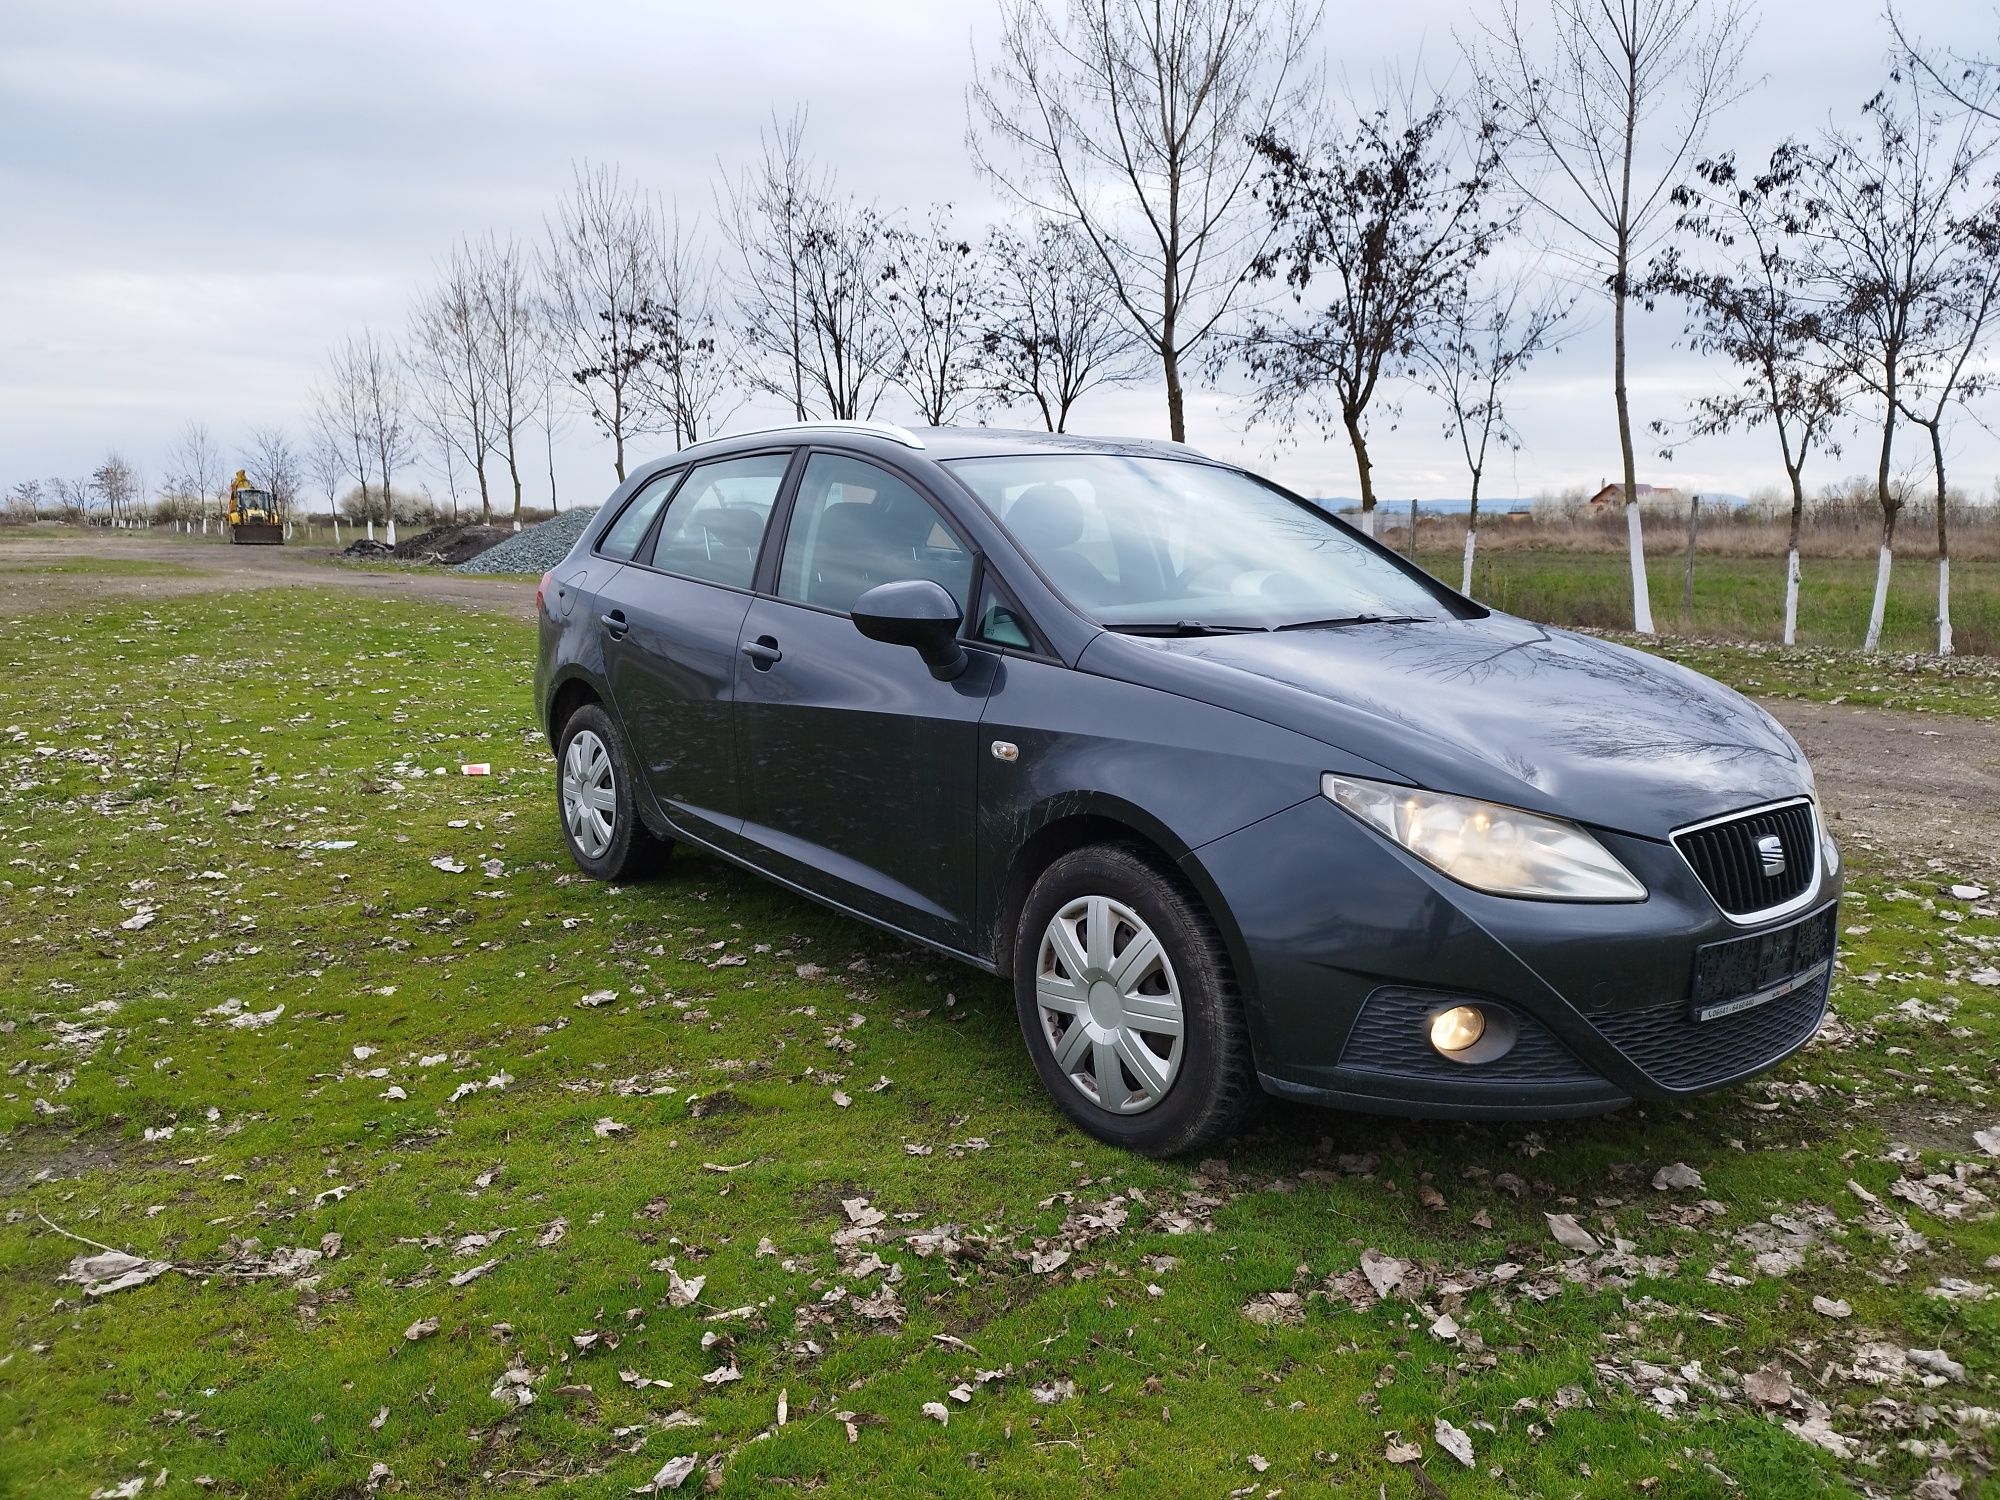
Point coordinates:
pixel 940 443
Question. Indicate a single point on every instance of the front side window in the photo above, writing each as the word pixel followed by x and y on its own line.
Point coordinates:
pixel 623 536
pixel 715 525
pixel 1158 544
pixel 854 526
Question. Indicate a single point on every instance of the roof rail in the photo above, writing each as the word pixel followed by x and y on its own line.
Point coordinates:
pixel 887 430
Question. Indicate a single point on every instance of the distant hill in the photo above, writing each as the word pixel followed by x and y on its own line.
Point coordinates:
pixel 1341 504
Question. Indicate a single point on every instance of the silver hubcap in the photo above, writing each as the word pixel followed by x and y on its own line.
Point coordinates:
pixel 1109 1005
pixel 589 794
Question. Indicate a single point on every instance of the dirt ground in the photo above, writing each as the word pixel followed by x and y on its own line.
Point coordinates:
pixel 1917 786
pixel 202 567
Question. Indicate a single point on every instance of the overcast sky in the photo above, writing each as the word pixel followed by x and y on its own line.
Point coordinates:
pixel 200 197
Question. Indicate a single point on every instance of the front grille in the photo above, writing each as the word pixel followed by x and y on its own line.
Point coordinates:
pixel 1679 1051
pixel 1392 1035
pixel 1734 869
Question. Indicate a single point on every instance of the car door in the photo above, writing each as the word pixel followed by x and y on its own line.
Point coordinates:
pixel 861 769
pixel 672 617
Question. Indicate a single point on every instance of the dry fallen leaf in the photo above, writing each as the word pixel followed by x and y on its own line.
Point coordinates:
pixel 1769 1385
pixel 1402 1453
pixel 423 1328
pixel 1676 1175
pixel 1570 1234
pixel 673 1474
pixel 1453 1441
pixel 938 1412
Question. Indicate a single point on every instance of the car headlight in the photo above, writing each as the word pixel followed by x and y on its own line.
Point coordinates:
pixel 1489 847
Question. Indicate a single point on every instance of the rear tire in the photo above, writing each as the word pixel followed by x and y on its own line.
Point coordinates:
pixel 1128 1004
pixel 595 799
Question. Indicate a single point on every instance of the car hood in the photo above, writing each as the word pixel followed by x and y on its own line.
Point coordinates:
pixel 1494 707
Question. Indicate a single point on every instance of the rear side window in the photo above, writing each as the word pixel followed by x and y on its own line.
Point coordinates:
pixel 854 526
pixel 622 537
pixel 715 524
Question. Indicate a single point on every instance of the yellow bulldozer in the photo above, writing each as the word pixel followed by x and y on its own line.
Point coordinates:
pixel 253 513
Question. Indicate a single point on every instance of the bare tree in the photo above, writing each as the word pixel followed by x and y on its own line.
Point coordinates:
pixel 324 462
pixel 1970 81
pixel 1481 343
pixel 195 466
pixel 1132 119
pixel 1948 375
pixel 275 465
pixel 364 407
pixel 850 346
pixel 1610 115
pixel 72 497
pixel 1888 244
pixel 814 330
pixel 24 498
pixel 1752 295
pixel 517 361
pixel 768 214
pixel 1051 329
pixel 934 289
pixel 117 484
pixel 600 275
pixel 690 378
pixel 1375 236
pixel 452 359
pixel 340 419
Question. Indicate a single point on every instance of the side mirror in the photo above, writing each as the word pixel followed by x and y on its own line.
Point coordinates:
pixel 917 613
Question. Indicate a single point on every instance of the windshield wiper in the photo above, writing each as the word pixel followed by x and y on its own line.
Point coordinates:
pixel 1357 620
pixel 1182 627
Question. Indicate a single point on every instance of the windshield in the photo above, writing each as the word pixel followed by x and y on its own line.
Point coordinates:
pixel 1155 544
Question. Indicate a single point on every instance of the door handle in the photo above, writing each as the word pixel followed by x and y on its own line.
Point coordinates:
pixel 764 653
pixel 615 625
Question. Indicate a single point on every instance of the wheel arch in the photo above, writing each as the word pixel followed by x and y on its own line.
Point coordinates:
pixel 1106 821
pixel 565 698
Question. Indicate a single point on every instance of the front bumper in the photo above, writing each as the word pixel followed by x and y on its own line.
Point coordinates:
pixel 1345 944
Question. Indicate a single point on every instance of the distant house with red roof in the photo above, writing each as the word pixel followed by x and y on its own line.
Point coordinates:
pixel 1614 494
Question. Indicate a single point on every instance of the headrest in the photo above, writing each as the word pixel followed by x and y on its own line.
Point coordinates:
pixel 1046 518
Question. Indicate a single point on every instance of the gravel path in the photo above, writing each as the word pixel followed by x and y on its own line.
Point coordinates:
pixel 1917 786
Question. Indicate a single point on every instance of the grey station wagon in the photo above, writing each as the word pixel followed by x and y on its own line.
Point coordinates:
pixel 1235 797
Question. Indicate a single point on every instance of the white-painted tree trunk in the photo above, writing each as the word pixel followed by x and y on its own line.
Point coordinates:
pixel 1944 606
pixel 1471 544
pixel 392 531
pixel 336 531
pixel 1368 523
pixel 371 528
pixel 1642 601
pixel 517 523
pixel 1792 596
pixel 1873 640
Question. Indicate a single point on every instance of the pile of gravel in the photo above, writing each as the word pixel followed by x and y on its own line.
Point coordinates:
pixel 535 550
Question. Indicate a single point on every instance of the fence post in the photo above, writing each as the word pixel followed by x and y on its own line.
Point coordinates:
pixel 1687 587
pixel 1413 529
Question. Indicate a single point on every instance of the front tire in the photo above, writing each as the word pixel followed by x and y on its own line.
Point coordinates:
pixel 595 796
pixel 1128 1005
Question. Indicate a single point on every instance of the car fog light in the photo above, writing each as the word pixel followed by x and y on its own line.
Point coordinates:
pixel 1458 1028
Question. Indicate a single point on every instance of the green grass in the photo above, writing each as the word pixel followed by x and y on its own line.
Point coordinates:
pixel 107 567
pixel 184 757
pixel 1738 597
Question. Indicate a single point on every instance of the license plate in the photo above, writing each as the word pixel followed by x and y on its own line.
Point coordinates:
pixel 1747 972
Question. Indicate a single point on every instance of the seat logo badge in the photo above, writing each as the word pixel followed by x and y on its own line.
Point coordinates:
pixel 1008 751
pixel 1771 854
